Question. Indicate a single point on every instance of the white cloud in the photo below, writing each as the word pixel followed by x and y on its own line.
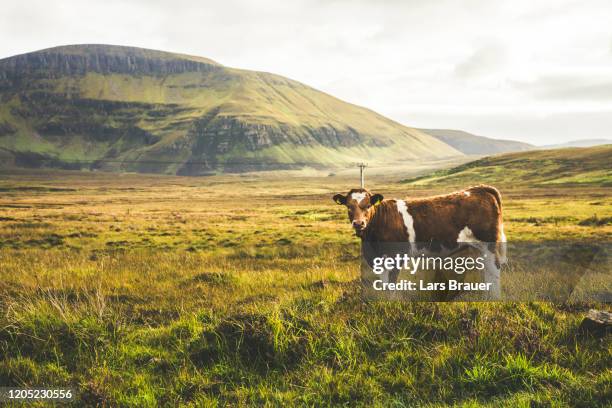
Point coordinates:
pixel 487 67
pixel 484 62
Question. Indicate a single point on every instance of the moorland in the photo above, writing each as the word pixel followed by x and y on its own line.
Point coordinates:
pixel 150 290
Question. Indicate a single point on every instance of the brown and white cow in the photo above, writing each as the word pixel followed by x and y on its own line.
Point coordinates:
pixel 472 216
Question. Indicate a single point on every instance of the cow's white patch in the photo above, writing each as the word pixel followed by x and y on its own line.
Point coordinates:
pixel 466 235
pixel 408 220
pixel 467 193
pixel 491 271
pixel 502 235
pixel 358 197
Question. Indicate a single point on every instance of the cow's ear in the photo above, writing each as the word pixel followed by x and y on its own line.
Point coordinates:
pixel 340 199
pixel 376 199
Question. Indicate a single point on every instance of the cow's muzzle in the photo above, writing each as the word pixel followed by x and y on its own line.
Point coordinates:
pixel 359 227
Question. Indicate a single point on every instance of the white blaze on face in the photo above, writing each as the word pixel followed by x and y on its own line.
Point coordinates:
pixel 402 208
pixel 358 197
pixel 467 193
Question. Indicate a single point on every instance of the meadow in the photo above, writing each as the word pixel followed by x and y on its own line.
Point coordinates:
pixel 142 290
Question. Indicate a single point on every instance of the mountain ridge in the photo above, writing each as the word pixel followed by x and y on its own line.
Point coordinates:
pixel 472 144
pixel 99 58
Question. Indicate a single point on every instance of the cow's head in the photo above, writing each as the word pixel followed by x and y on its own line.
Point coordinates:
pixel 359 203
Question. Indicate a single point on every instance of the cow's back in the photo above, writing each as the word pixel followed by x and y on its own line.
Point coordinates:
pixel 443 218
pixel 474 213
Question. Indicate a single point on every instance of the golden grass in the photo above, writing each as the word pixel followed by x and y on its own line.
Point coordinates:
pixel 149 290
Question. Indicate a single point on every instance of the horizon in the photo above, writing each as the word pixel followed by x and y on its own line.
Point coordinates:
pixel 536 75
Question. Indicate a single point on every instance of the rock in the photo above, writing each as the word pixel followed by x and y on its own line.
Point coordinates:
pixel 596 322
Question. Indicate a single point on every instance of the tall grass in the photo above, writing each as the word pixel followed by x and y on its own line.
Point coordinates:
pixel 184 295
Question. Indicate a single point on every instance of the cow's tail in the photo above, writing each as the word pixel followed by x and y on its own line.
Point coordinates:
pixel 500 244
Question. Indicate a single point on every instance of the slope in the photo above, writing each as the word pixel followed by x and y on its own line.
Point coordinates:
pixel 123 108
pixel 569 166
pixel 578 143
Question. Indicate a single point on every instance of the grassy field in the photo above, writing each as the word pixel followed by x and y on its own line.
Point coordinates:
pixel 165 291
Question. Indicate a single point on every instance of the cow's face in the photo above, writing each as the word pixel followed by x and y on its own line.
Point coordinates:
pixel 359 203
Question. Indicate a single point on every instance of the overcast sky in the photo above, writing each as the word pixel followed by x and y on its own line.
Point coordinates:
pixel 537 71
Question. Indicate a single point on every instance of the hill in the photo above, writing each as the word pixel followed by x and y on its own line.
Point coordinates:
pixel 123 108
pixel 470 144
pixel 569 166
pixel 579 143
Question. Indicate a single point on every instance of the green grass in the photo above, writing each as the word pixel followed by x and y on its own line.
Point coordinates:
pixel 165 291
pixel 540 168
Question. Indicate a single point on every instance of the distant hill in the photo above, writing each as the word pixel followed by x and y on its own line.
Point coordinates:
pixel 569 166
pixel 131 109
pixel 468 143
pixel 578 143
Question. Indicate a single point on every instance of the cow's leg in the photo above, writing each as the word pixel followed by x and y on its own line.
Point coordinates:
pixel 385 276
pixel 389 276
pixel 492 276
pixel 492 266
pixel 393 275
pixel 500 256
pixel 500 247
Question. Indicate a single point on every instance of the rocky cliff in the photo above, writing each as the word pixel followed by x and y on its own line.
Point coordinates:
pixel 102 59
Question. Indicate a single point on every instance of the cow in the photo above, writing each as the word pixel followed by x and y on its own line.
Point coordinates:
pixel 471 217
